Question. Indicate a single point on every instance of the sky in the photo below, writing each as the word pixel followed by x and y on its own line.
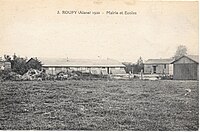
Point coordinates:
pixel 34 29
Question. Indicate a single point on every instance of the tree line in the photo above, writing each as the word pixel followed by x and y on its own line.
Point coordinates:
pixel 134 67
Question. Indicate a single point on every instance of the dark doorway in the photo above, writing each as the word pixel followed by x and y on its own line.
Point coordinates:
pixel 108 70
pixel 154 69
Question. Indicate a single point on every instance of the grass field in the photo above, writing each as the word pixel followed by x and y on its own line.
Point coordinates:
pixel 99 105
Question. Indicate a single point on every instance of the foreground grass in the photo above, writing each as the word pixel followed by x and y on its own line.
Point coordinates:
pixel 99 105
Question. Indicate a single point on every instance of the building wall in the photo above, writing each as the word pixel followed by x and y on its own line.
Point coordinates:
pixel 160 68
pixel 1 65
pixel 48 70
pixel 185 69
pixel 171 69
pixel 5 65
pixel 55 70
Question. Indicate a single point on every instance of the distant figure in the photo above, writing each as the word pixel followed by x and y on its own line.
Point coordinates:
pixel 141 74
pixel 130 74
pixel 2 67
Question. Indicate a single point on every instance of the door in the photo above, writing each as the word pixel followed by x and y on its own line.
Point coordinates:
pixel 154 69
pixel 108 70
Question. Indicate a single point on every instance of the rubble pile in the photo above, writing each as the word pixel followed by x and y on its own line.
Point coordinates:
pixel 152 77
pixel 35 75
pixel 70 75
pixel 94 74
pixel 104 72
pixel 62 76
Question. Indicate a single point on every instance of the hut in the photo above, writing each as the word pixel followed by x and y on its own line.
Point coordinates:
pixel 186 68
pixel 5 65
pixel 34 63
pixel 158 66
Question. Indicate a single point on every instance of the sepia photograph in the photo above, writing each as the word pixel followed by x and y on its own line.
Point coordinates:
pixel 99 65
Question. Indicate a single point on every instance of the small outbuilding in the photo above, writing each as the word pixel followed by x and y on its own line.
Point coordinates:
pixel 158 66
pixel 186 68
pixel 5 65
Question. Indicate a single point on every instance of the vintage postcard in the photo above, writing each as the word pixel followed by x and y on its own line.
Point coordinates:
pixel 101 65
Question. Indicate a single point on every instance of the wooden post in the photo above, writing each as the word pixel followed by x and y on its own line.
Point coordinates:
pixel 141 74
pixel 132 69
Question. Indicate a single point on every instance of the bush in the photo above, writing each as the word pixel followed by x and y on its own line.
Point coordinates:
pixel 9 75
pixel 4 74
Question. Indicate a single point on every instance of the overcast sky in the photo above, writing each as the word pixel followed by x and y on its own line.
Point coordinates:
pixel 34 29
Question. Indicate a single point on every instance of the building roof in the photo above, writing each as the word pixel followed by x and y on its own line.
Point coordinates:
pixel 158 61
pixel 64 62
pixel 194 58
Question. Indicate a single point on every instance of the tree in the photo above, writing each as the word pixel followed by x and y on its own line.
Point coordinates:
pixel 7 58
pixel 134 68
pixel 18 65
pixel 129 67
pixel 140 61
pixel 181 50
pixel 140 65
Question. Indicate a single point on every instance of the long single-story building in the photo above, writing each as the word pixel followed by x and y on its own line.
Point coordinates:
pixel 186 68
pixel 106 66
pixel 158 66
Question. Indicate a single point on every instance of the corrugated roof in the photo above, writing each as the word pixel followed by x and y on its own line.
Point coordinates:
pixel 158 61
pixel 80 62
